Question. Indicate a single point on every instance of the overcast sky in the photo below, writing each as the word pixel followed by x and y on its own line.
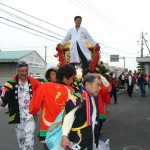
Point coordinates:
pixel 115 24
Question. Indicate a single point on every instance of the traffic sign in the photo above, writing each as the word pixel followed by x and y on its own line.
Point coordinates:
pixel 114 58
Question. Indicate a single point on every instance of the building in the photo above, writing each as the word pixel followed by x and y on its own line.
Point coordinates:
pixel 117 70
pixel 146 62
pixel 9 59
pixel 106 66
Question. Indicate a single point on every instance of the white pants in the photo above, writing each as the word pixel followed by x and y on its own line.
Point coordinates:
pixel 25 134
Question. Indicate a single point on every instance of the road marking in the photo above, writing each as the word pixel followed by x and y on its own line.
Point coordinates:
pixel 132 148
pixel 148 118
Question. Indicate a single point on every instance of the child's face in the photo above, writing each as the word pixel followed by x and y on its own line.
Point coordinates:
pixel 52 76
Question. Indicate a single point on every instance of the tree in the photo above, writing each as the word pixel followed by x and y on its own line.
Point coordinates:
pixel 141 66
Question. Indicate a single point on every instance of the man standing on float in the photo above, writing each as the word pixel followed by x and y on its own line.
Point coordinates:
pixel 79 52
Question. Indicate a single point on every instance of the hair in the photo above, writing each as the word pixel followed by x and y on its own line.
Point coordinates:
pixel 77 17
pixel 90 78
pixel 22 64
pixel 86 71
pixel 48 72
pixel 66 71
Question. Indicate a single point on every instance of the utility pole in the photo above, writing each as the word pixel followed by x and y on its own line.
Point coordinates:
pixel 142 44
pixel 146 43
pixel 124 63
pixel 45 53
pixel 124 66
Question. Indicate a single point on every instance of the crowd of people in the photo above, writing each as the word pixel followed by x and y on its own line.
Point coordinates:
pixel 139 80
pixel 85 100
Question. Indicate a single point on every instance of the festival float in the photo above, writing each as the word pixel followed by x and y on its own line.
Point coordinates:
pixel 63 54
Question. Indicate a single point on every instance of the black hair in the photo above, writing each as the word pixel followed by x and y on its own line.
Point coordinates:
pixel 76 17
pixel 90 78
pixel 48 72
pixel 66 71
pixel 86 71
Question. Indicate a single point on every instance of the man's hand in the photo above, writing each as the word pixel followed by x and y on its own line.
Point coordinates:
pixel 58 46
pixel 65 141
pixel 90 62
pixel 97 45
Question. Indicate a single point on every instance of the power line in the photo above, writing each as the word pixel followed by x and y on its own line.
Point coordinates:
pixel 29 28
pixel 118 49
pixel 96 9
pixel 104 53
pixel 33 17
pixel 108 55
pixel 92 11
pixel 30 47
pixel 121 42
pixel 55 37
pixel 86 9
pixel 22 19
pixel 27 32
pixel 52 36
pixel 58 38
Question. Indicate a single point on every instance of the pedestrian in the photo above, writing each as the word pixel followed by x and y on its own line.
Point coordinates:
pixel 79 53
pixel 135 79
pixel 142 82
pixel 103 103
pixel 50 75
pixel 114 83
pixel 130 83
pixel 81 112
pixel 105 100
pixel 149 82
pixel 17 93
pixel 122 78
pixel 51 97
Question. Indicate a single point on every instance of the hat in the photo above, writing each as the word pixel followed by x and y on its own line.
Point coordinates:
pixel 22 64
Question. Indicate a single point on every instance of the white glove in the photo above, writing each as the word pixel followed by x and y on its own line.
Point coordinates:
pixel 104 81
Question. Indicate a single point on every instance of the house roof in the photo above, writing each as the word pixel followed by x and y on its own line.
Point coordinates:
pixel 13 56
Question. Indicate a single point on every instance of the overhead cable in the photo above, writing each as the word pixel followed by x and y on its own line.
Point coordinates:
pixel 29 28
pixel 33 17
pixel 22 19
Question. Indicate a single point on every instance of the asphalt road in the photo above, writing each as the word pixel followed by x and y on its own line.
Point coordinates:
pixel 127 125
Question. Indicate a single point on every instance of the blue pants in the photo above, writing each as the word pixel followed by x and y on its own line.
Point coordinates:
pixel 142 88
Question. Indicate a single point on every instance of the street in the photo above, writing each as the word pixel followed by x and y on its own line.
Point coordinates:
pixel 127 125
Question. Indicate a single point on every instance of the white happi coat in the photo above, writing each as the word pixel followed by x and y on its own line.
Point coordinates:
pixel 79 36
